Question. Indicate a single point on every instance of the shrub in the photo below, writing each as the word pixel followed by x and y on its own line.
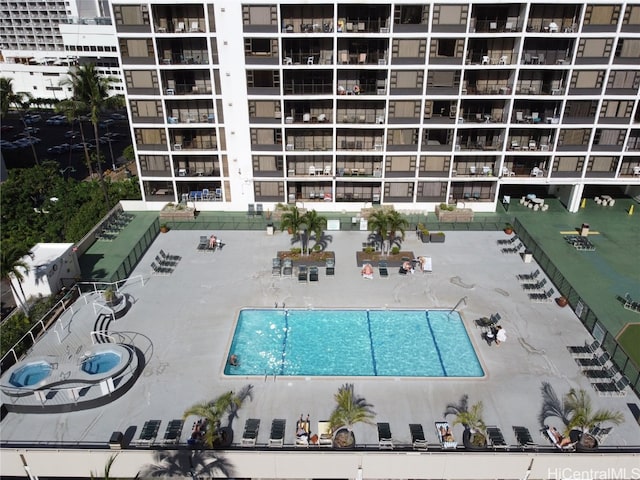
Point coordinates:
pixel 296 250
pixel 395 250
pixel 369 250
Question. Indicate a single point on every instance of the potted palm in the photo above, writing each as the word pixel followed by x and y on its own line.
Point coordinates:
pixel 423 232
pixel 508 228
pixel 584 419
pixel 349 410
pixel 474 436
pixel 164 228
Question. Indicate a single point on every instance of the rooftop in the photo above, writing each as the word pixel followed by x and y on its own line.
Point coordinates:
pixel 185 322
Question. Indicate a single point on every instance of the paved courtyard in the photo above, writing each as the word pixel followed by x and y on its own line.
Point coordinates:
pixel 188 319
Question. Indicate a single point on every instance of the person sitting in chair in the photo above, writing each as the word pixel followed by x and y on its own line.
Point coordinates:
pixel 558 438
pixel 212 241
pixel 367 271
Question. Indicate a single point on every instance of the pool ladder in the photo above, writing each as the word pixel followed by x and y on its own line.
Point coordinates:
pixel 463 299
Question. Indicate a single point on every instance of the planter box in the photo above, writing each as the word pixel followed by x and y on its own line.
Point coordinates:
pixel 173 214
pixel 424 238
pixel 436 238
pixel 457 215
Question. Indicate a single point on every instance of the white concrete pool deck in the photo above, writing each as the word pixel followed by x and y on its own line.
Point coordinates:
pixel 190 315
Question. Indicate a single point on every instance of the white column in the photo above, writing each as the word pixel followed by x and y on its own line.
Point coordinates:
pixel 575 198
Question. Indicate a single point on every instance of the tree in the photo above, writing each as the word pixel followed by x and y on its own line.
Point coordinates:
pixel 315 224
pixel 350 409
pixel 92 88
pixel 396 222
pixel 583 417
pixel 6 92
pixel 107 469
pixel 552 406
pixel 379 222
pixel 212 412
pixel 12 267
pixel 292 220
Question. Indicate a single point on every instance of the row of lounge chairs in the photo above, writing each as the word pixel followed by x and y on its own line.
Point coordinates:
pixel 580 243
pixel 515 249
pixel 596 365
pixel 304 437
pixel 305 274
pixel 150 429
pixel 164 263
pixel 534 285
pixel 112 226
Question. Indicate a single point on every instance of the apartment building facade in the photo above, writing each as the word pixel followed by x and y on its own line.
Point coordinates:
pixel 339 105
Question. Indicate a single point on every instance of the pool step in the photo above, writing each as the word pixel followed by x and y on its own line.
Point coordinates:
pixel 102 325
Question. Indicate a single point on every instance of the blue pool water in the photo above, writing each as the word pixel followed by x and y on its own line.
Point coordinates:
pixel 100 363
pixel 398 343
pixel 30 374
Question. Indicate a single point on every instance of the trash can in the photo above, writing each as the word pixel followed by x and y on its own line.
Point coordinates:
pixel 269 228
pixel 584 230
pixel 115 442
pixel 527 256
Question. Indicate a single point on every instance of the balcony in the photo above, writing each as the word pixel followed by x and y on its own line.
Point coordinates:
pixel 545 82
pixel 360 111
pixel 186 51
pixel 358 19
pixel 489 51
pixel 300 140
pixel 177 82
pixel 529 140
pixel 305 82
pixel 480 139
pixel 193 139
pixel 312 51
pixel 193 111
pixel 361 82
pixel 359 140
pixel 196 166
pixel 437 139
pixel 183 18
pixel 547 51
pixel 309 165
pixel 300 111
pixel 548 18
pixel 307 18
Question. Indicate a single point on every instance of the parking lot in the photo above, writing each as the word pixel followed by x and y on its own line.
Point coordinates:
pixel 54 138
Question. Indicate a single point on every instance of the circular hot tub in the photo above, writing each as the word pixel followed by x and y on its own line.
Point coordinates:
pixel 101 362
pixel 30 374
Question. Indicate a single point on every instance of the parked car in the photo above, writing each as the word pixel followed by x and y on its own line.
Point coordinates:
pixel 56 150
pixel 32 118
pixel 5 145
pixel 6 128
pixel 57 120
pixel 79 147
pixel 106 123
pixel 31 130
pixel 118 117
pixel 71 134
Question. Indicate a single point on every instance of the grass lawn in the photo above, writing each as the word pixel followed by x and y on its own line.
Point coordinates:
pixel 629 339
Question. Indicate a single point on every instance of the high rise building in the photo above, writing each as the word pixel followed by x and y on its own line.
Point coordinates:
pixel 40 40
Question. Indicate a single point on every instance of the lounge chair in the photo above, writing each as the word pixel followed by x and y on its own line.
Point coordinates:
pixel 203 243
pixel 612 389
pixel 303 432
pixel 383 269
pixel 287 268
pixel 313 274
pixel 173 431
pixel 586 350
pixel 529 276
pixel 330 266
pixel 149 431
pixel 600 434
pixel 418 439
pixel 534 286
pixel 426 265
pixel 385 442
pixel 276 438
pixel 251 210
pixel 523 437
pixel 596 375
pixel 508 241
pixel 276 267
pixel 445 436
pixel 156 270
pixel 250 434
pixel 594 362
pixel 547 432
pixel 496 439
pixel 166 256
pixel 303 273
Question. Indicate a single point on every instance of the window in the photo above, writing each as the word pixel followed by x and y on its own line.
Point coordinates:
pixel 404 109
pixel 259 15
pixel 434 163
pixel 632 15
pixel 446 47
pixel 401 164
pixel 409 48
pixel 610 137
pixel 595 47
pixel 406 79
pixel 141 48
pixel 624 79
pixel 628 48
pixel 146 108
pixel 267 163
pixel 407 136
pixel 574 136
pixel 141 79
pixel 150 136
pixel 602 164
pixel 131 14
pixel 154 163
pixel 587 79
pixel 616 109
pixel 568 164
pixel 450 14
pixel 263 109
pixel 602 14
pixel 401 191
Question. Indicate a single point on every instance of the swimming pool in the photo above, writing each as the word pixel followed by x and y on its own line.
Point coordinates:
pixel 30 374
pixel 397 343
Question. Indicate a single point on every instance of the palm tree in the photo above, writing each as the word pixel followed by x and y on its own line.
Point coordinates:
pixel 92 88
pixel 396 222
pixel 6 92
pixel 349 410
pixel 72 109
pixel 107 469
pixel 213 411
pixel 315 224
pixel 12 266
pixel 458 408
pixel 583 417
pixel 187 463
pixel 292 220
pixel 379 222
pixel 552 406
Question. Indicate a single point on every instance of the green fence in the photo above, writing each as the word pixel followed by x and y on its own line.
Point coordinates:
pixel 582 310
pixel 130 261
